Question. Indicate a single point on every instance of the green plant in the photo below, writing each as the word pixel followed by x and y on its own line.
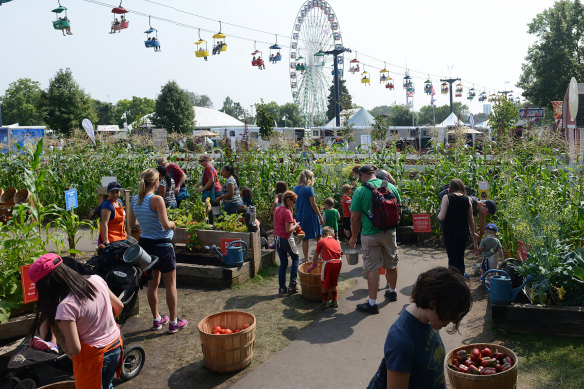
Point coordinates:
pixel 193 237
pixel 70 223
pixel 229 223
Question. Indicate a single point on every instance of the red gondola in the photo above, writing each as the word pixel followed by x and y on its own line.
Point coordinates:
pixel 122 23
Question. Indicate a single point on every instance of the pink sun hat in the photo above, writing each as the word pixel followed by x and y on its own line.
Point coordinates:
pixel 43 266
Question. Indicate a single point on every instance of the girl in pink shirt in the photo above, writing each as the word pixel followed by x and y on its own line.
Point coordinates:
pixel 284 226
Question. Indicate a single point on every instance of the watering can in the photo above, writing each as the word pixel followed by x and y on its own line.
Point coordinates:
pixel 234 255
pixel 500 291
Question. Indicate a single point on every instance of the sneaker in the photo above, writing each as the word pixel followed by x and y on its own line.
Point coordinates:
pixel 157 324
pixel 292 288
pixel 392 296
pixel 325 305
pixel 283 290
pixel 180 324
pixel 334 304
pixel 367 308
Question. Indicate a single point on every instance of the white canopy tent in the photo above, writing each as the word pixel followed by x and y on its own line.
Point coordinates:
pixel 358 117
pixel 207 118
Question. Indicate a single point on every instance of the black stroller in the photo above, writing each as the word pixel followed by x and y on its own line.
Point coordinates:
pixel 27 365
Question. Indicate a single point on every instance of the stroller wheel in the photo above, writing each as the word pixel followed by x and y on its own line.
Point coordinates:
pixel 27 383
pixel 134 359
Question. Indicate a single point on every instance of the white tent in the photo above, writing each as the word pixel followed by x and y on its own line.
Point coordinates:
pixel 451 121
pixel 358 117
pixel 210 118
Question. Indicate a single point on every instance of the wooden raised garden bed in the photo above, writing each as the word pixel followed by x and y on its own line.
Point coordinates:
pixel 548 319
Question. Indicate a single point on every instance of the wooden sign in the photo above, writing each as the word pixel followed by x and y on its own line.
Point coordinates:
pixel 225 243
pixel 28 287
pixel 483 192
pixel 422 222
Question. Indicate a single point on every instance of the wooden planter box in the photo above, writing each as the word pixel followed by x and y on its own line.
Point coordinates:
pixel 212 237
pixel 548 319
pixel 16 327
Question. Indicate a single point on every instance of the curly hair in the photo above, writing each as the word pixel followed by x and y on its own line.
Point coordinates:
pixel 288 195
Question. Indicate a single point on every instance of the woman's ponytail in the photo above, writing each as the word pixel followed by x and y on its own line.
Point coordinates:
pixel 147 179
pixel 141 191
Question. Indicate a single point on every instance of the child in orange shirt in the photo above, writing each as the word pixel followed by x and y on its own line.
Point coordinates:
pixel 330 249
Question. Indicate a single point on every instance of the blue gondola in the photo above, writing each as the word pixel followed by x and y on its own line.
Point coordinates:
pixel 152 41
pixel 275 55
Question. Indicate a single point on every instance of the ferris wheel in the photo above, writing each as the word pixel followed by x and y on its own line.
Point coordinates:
pixel 316 30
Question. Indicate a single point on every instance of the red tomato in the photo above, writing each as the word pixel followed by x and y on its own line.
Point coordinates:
pixel 245 326
pixel 228 331
pixel 216 328
pixel 237 330
pixel 223 331
pixel 487 352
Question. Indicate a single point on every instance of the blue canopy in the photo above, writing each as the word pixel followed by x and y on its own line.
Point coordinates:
pixel 150 31
pixel 275 47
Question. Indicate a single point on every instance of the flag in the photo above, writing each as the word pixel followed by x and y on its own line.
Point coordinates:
pixel 432 100
pixel 471 121
pixel 433 91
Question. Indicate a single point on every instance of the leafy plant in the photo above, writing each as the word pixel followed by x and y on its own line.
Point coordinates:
pixel 229 223
pixel 193 237
pixel 70 223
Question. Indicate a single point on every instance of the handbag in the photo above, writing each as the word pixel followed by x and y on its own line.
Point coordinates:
pixel 183 192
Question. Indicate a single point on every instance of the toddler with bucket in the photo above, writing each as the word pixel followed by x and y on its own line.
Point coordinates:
pixel 330 249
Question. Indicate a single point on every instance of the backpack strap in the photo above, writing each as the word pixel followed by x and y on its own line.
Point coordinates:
pixel 384 183
pixel 369 186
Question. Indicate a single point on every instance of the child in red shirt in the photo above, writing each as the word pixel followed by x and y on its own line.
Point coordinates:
pixel 330 249
pixel 346 204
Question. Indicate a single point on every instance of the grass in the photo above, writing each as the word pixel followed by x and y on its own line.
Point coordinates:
pixel 547 361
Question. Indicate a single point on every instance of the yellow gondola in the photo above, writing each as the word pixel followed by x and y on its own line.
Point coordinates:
pixel 365 79
pixel 202 51
pixel 219 43
pixel 383 75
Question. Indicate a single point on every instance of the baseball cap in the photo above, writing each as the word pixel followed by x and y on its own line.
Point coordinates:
pixel 44 265
pixel 366 169
pixel 491 227
pixel 114 186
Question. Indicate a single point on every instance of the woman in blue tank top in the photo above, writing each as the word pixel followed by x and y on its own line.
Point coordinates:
pixel 156 231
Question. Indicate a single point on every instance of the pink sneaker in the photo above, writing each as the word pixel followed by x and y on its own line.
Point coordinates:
pixel 157 324
pixel 180 324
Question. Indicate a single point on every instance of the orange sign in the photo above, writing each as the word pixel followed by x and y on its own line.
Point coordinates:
pixel 28 287
pixel 225 243
pixel 557 109
pixel 422 222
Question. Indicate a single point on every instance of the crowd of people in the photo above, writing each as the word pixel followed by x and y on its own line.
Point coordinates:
pixel 81 310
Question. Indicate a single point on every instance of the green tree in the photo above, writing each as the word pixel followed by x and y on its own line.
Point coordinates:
pixel 67 104
pixel 264 120
pixel 274 109
pixel 233 108
pixel 22 103
pixel 400 115
pixel 106 112
pixel 503 119
pixel 200 100
pixel 380 110
pixel 379 128
pixel 133 111
pixel 347 131
pixel 344 97
pixel 426 115
pixel 292 113
pixel 556 56
pixel 174 110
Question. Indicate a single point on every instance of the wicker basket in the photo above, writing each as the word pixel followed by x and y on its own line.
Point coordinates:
pixel 310 282
pixel 60 385
pixel 503 380
pixel 8 196
pixel 227 353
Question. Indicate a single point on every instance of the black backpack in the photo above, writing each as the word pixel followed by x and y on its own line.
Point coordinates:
pixel 249 218
pixel 386 211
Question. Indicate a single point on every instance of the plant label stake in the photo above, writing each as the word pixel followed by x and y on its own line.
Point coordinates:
pixel 71 201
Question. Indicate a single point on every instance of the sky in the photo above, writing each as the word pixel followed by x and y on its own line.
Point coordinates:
pixel 482 42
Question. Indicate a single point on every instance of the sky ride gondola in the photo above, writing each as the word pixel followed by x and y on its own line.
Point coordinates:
pixel 219 44
pixel 383 74
pixel 122 23
pixel 301 64
pixel 428 87
pixel 483 96
pixel 275 55
pixel 365 79
pixel 407 83
pixel 492 98
pixel 62 23
pixel 319 59
pixel 152 37
pixel 389 84
pixel 471 94
pixel 257 58
pixel 354 65
pixel 458 90
pixel 444 88
pixel 202 51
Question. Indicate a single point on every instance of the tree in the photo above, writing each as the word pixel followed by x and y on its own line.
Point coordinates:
pixel 106 112
pixel 273 109
pixel 292 113
pixel 133 111
pixel 233 109
pixel 22 103
pixel 379 128
pixel 556 56
pixel 174 110
pixel 344 97
pixel 503 118
pixel 200 100
pixel 265 120
pixel 426 115
pixel 380 110
pixel 400 115
pixel 67 104
pixel 347 131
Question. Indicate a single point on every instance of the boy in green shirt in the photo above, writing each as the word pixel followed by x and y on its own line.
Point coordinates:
pixel 331 216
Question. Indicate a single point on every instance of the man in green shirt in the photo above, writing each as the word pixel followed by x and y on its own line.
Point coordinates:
pixel 379 247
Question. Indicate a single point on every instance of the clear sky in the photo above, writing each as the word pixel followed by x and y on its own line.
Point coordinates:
pixel 484 43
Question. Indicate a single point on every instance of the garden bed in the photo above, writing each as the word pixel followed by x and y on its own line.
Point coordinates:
pixel 548 319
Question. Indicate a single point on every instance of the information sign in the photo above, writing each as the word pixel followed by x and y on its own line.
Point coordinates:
pixel 483 190
pixel 28 287
pixel 71 199
pixel 534 113
pixel 422 222
pixel 225 243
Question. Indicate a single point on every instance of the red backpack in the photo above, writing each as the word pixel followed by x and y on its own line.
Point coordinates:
pixel 386 211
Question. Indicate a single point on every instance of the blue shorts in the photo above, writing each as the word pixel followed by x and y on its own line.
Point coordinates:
pixel 164 252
